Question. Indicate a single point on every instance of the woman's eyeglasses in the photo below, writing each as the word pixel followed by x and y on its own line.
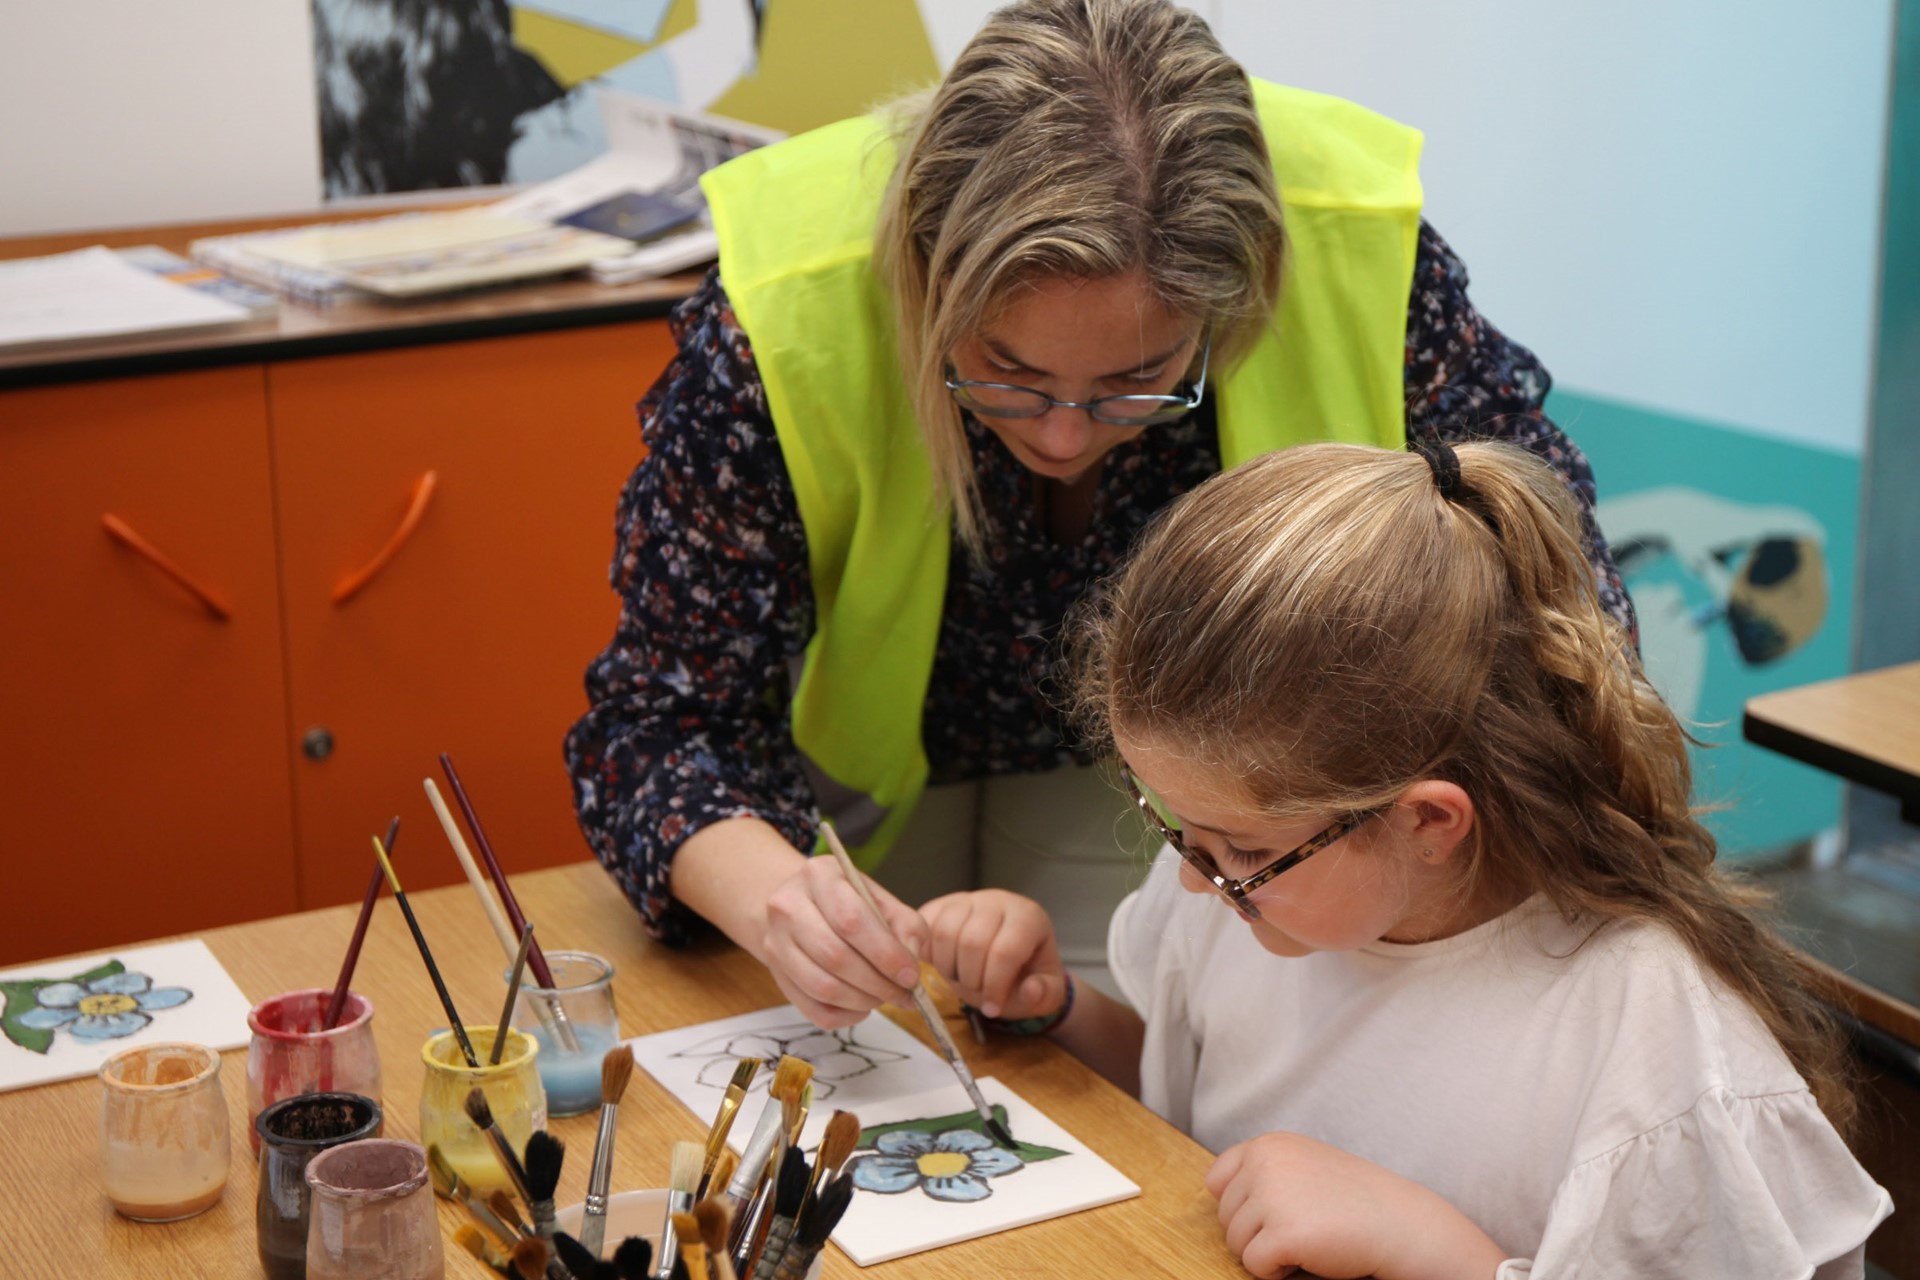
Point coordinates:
pixel 1004 400
pixel 1236 891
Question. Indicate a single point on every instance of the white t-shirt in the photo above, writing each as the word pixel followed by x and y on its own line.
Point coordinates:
pixel 1600 1110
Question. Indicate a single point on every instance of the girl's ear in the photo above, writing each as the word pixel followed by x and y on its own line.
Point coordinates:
pixel 1442 818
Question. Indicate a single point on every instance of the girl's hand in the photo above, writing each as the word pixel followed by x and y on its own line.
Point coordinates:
pixel 1291 1203
pixel 998 950
pixel 830 957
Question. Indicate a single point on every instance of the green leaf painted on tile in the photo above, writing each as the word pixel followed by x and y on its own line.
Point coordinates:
pixel 1027 1151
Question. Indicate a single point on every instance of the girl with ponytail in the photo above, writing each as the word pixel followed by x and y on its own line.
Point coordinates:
pixel 1522 1024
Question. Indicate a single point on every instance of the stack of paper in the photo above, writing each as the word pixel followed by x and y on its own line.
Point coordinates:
pixel 93 293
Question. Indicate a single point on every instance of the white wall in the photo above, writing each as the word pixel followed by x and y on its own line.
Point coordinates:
pixel 1676 203
pixel 117 112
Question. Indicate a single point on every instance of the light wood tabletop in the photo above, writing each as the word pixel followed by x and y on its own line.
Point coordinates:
pixel 1864 727
pixel 55 1221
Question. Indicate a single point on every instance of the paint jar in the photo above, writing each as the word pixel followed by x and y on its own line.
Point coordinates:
pixel 290 1054
pixel 371 1214
pixel 291 1133
pixel 513 1091
pixel 583 994
pixel 163 1131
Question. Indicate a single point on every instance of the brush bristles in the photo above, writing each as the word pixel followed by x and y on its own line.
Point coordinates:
pixel 723 1171
pixel 445 1181
pixel 693 1250
pixel 789 1078
pixel 501 1202
pixel 545 1155
pixel 530 1258
pixel 714 1220
pixel 633 1258
pixel 744 1071
pixel 685 1169
pixel 470 1239
pixel 615 1070
pixel 477 1109
pixel 791 1187
pixel 575 1257
pixel 841 1137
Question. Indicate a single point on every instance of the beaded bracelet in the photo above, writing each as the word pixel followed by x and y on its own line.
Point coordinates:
pixel 1039 1024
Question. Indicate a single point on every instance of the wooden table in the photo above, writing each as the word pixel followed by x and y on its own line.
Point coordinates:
pixel 55 1221
pixel 1864 728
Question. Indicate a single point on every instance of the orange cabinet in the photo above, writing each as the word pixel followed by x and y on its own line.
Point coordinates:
pixel 143 770
pixel 473 636
pixel 164 769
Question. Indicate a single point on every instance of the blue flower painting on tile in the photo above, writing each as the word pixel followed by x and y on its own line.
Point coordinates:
pixel 948 1158
pixel 104 1003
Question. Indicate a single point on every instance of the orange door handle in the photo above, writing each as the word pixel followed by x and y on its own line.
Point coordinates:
pixel 354 583
pixel 121 532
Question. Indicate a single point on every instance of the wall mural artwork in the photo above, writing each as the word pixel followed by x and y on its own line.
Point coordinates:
pixel 62 1020
pixel 418 95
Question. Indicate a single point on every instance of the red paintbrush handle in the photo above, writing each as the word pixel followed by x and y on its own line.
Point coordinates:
pixel 339 1001
pixel 536 959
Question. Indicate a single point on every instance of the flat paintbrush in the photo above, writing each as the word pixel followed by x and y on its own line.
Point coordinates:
pixel 616 1068
pixel 682 1178
pixel 338 1003
pixel 426 954
pixel 921 1000
pixel 743 1073
pixel 711 1217
pixel 448 1186
pixel 686 1228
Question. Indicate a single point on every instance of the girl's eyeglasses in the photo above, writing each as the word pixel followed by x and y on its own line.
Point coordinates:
pixel 1236 891
pixel 1005 400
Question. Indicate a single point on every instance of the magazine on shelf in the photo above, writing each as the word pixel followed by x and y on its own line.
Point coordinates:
pixel 634 212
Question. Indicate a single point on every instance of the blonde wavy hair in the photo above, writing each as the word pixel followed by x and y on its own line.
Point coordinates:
pixel 1076 139
pixel 1323 625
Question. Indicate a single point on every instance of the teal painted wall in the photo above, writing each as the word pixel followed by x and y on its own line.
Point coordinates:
pixel 1767 801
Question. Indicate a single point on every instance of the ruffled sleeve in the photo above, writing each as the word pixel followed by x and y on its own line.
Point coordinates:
pixel 1761 1188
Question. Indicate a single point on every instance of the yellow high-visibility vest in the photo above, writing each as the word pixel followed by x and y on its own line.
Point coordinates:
pixel 795 222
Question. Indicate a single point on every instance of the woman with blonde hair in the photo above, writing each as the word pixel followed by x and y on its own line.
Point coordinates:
pixel 1520 1023
pixel 951 362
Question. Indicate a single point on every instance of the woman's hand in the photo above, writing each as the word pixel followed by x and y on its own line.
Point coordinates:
pixel 998 950
pixel 1290 1203
pixel 828 954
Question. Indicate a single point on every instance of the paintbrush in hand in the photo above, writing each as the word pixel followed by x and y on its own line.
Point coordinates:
pixel 337 1004
pixel 616 1068
pixel 921 1000
pixel 433 970
pixel 743 1073
pixel 682 1177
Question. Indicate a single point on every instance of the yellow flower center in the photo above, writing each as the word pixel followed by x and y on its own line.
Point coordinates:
pixel 943 1164
pixel 97 1006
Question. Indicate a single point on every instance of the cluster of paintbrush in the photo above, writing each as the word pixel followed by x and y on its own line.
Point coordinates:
pixel 768 1214
pixel 533 1246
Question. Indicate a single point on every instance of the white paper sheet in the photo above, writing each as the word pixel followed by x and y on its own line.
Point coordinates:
pixel 91 293
pixel 854 1068
pixel 61 1020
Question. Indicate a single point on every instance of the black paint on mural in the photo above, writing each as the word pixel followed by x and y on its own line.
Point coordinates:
pixel 420 94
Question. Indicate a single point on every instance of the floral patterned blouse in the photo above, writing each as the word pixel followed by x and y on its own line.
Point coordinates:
pixel 689 717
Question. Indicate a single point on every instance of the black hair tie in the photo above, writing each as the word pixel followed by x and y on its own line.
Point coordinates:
pixel 1444 462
